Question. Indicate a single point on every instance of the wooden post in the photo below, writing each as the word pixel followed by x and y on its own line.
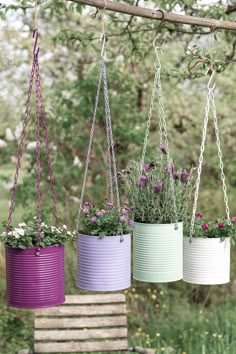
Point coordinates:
pixel 154 14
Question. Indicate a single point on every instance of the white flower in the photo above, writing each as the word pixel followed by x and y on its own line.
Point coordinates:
pixel 19 232
pixel 22 224
pixel 65 227
pixel 17 236
pixel 69 233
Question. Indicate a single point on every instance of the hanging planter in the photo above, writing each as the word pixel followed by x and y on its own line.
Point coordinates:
pixel 104 263
pixel 160 194
pixel 104 242
pixel 33 281
pixel 158 252
pixel 207 261
pixel 35 251
pixel 207 250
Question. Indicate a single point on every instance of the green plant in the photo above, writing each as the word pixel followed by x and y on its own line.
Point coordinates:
pixel 25 235
pixel 220 227
pixel 105 219
pixel 152 191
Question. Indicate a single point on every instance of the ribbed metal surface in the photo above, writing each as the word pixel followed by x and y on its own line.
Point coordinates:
pixel 158 252
pixel 104 264
pixel 35 281
pixel 207 261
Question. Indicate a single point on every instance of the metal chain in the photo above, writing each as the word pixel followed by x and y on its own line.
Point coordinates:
pixel 21 146
pixel 108 120
pixel 163 127
pixel 199 171
pixel 38 160
pixel 154 89
pixel 38 82
pixel 109 157
pixel 220 157
pixel 89 149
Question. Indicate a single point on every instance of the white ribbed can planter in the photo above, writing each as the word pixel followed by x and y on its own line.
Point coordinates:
pixel 104 263
pixel 158 252
pixel 207 261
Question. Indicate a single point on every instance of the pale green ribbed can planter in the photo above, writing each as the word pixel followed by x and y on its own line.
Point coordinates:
pixel 158 252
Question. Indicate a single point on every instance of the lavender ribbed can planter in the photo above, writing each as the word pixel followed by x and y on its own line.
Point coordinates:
pixel 104 264
pixel 35 281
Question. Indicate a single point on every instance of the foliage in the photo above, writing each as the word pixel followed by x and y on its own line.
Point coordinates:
pixel 105 220
pixel 25 235
pixel 156 190
pixel 220 227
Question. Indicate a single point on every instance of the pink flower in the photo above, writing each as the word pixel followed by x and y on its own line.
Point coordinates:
pixel 184 176
pixel 205 227
pixel 163 149
pixel 198 215
pixel 158 187
pixel 234 218
pixel 131 223
pixel 88 204
pixel 124 211
pixel 100 213
pixel 110 205
pixel 122 219
pixel 143 181
pixel 93 219
pixel 85 211
pixel 221 226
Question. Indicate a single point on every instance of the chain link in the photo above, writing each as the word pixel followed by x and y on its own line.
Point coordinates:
pixel 200 162
pixel 21 146
pixel 108 120
pixel 163 130
pixel 38 159
pixel 38 82
pixel 89 148
pixel 154 89
pixel 220 157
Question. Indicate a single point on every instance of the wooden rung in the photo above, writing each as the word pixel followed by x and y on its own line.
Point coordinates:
pixel 83 322
pixel 80 334
pixel 94 299
pixel 81 310
pixel 80 347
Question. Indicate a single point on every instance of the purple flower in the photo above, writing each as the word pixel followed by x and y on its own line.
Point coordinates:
pixel 85 211
pixel 198 215
pixel 124 211
pixel 111 205
pixel 122 219
pixel 93 219
pixel 126 203
pixel 131 223
pixel 176 176
pixel 163 149
pixel 99 213
pixel 143 181
pixel 158 187
pixel 147 167
pixel 88 204
pixel 184 176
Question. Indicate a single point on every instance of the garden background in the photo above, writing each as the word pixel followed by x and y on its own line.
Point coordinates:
pixel 173 318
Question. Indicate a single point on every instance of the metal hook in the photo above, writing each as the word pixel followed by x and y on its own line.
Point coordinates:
pixel 157 49
pixel 35 36
pixel 103 40
pixel 210 80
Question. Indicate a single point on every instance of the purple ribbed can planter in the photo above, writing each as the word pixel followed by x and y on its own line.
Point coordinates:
pixel 104 264
pixel 35 281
